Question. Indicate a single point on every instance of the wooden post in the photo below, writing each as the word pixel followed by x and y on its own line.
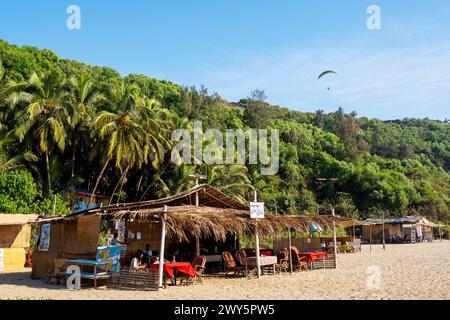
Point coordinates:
pixel 258 262
pixel 334 239
pixel 161 247
pixel 197 203
pixel 370 237
pixel 289 254
pixel 23 234
pixel 440 235
pixel 384 239
pixel 54 205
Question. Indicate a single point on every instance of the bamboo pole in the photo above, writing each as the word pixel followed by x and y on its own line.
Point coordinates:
pixel 334 239
pixel 161 248
pixel 197 239
pixel 384 237
pixel 289 254
pixel 258 262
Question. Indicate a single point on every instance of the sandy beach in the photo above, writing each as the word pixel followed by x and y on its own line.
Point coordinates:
pixel 420 271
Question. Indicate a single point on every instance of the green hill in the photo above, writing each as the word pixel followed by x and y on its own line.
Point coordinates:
pixel 75 125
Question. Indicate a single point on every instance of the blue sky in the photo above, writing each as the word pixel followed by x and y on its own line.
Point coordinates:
pixel 233 47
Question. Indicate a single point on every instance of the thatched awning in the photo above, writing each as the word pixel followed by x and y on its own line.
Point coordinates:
pixel 186 222
pixel 208 196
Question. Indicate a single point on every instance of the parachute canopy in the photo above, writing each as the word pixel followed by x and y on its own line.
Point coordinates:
pixel 325 73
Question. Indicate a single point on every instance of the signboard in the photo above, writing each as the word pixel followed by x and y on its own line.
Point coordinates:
pixel 44 242
pixel 1 260
pixel 257 210
pixel 110 254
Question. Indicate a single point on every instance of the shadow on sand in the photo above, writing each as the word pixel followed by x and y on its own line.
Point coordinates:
pixel 24 279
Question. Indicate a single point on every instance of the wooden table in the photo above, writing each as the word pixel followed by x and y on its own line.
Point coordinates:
pixel 172 269
pixel 263 262
pixel 92 275
pixel 313 256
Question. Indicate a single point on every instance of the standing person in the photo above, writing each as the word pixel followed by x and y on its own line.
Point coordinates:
pixel 148 253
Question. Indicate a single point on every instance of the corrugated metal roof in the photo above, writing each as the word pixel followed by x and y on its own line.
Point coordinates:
pixel 402 220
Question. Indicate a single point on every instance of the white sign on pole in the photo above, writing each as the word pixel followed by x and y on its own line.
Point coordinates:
pixel 1 260
pixel 257 210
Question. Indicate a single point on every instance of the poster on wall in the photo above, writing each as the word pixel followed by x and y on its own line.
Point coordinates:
pixel 1 260
pixel 120 227
pixel 44 242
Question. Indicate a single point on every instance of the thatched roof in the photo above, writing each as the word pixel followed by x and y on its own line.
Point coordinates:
pixel 16 219
pixel 186 222
pixel 208 196
pixel 217 216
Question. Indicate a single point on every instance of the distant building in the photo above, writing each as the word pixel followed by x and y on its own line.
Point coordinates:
pixel 15 235
pixel 399 230
pixel 81 198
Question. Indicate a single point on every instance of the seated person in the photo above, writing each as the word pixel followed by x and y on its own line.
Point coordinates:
pixel 136 263
pixel 147 253
pixel 114 241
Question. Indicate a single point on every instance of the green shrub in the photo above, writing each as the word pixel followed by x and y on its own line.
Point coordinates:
pixel 20 194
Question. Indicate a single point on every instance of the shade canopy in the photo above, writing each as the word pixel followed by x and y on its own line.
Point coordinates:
pixel 217 216
pixel 185 222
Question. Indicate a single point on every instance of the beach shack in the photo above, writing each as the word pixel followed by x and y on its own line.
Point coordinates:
pixel 409 229
pixel 73 237
pixel 200 221
pixel 15 235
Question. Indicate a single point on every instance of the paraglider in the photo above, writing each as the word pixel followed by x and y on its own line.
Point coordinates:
pixel 326 73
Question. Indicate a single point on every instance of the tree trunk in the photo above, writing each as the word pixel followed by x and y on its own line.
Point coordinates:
pixel 74 150
pixel 97 182
pixel 139 183
pixel 115 188
pixel 47 165
pixel 145 193
pixel 123 181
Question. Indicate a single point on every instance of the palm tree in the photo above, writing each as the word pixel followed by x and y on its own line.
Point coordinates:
pixel 82 103
pixel 132 129
pixel 44 116
pixel 8 146
pixel 233 180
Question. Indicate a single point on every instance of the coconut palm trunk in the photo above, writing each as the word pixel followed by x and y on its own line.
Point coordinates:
pixel 47 166
pixel 121 185
pixel 74 151
pixel 97 182
pixel 122 177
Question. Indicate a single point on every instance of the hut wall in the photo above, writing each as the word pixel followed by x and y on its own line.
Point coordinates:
pixel 77 239
pixel 376 230
pixel 15 236
pixel 13 259
pixel 390 230
pixel 150 234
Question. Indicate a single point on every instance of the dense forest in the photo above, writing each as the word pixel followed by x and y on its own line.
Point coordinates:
pixel 65 125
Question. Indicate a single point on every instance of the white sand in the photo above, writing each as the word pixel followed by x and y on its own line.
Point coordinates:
pixel 420 271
